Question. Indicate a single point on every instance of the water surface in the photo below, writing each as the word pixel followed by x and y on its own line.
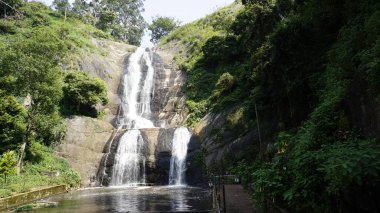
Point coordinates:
pixel 133 199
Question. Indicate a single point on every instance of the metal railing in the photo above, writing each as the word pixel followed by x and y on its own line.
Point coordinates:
pixel 218 190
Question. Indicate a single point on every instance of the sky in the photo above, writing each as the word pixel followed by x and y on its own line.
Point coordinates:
pixel 183 10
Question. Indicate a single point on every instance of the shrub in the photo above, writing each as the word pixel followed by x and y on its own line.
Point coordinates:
pixel 8 164
pixel 82 93
pixel 5 193
pixel 7 26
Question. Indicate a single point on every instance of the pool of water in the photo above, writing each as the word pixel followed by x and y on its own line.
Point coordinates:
pixel 133 199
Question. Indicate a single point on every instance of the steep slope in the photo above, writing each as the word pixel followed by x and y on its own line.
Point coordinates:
pixel 53 47
pixel 36 43
pixel 286 97
pixel 86 137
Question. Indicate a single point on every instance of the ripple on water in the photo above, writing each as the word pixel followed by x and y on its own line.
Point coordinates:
pixel 133 199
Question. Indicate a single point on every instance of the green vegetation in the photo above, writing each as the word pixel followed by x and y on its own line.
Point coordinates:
pixel 311 69
pixel 191 40
pixel 36 205
pixel 12 123
pixel 8 164
pixel 122 19
pixel 161 26
pixel 82 93
pixel 36 43
pixel 62 6
pixel 42 168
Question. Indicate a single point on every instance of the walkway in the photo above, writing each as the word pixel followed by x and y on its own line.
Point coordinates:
pixel 237 200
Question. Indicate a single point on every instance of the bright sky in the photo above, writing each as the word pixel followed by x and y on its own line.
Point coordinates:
pixel 183 10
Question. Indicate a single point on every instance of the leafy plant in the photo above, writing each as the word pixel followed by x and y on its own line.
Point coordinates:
pixel 8 164
pixel 82 93
pixel 161 27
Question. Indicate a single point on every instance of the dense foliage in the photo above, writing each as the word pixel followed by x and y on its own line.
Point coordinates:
pixel 310 69
pixel 35 44
pixel 161 26
pixel 8 164
pixel 82 93
pixel 122 18
pixel 12 123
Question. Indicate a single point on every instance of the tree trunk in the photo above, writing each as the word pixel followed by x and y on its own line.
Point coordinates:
pixel 258 129
pixel 26 142
pixel 20 157
pixel 65 14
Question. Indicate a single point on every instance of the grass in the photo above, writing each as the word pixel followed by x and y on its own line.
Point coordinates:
pixel 192 37
pixel 41 162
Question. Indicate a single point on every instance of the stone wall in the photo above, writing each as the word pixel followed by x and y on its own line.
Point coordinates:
pixel 13 201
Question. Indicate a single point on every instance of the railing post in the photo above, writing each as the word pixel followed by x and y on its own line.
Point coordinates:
pixel 224 200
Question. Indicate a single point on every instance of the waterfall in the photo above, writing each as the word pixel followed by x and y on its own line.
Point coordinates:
pixel 129 164
pixel 178 160
pixel 137 92
pixel 135 114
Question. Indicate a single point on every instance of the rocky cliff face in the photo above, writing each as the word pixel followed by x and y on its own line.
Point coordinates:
pixel 220 142
pixel 168 103
pixel 86 137
pixel 168 112
pixel 83 145
pixel 157 152
pixel 90 144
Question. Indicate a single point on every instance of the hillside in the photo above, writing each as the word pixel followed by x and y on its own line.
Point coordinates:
pixel 53 71
pixel 286 95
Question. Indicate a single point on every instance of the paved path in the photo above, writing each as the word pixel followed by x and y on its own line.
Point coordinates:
pixel 237 200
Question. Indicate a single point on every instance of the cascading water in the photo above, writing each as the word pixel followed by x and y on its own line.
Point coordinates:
pixel 181 140
pixel 129 166
pixel 129 162
pixel 135 114
pixel 137 93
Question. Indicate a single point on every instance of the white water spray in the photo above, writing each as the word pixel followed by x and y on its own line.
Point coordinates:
pixel 129 163
pixel 177 171
pixel 129 167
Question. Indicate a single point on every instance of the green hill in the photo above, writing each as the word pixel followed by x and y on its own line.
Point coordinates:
pixel 298 82
pixel 40 83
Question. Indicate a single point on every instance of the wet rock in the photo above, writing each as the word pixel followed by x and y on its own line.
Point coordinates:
pixel 83 145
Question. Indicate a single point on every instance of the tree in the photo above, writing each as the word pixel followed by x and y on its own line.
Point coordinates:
pixel 129 24
pixel 106 20
pixel 62 6
pixel 29 68
pixel 162 26
pixel 9 6
pixel 82 93
pixel 80 8
pixel 12 126
pixel 8 164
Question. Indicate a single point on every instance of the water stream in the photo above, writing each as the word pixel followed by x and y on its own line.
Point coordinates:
pixel 181 140
pixel 129 167
pixel 129 164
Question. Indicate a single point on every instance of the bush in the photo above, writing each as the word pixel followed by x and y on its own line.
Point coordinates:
pixel 7 26
pixel 82 93
pixel 12 123
pixel 5 193
pixel 225 82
